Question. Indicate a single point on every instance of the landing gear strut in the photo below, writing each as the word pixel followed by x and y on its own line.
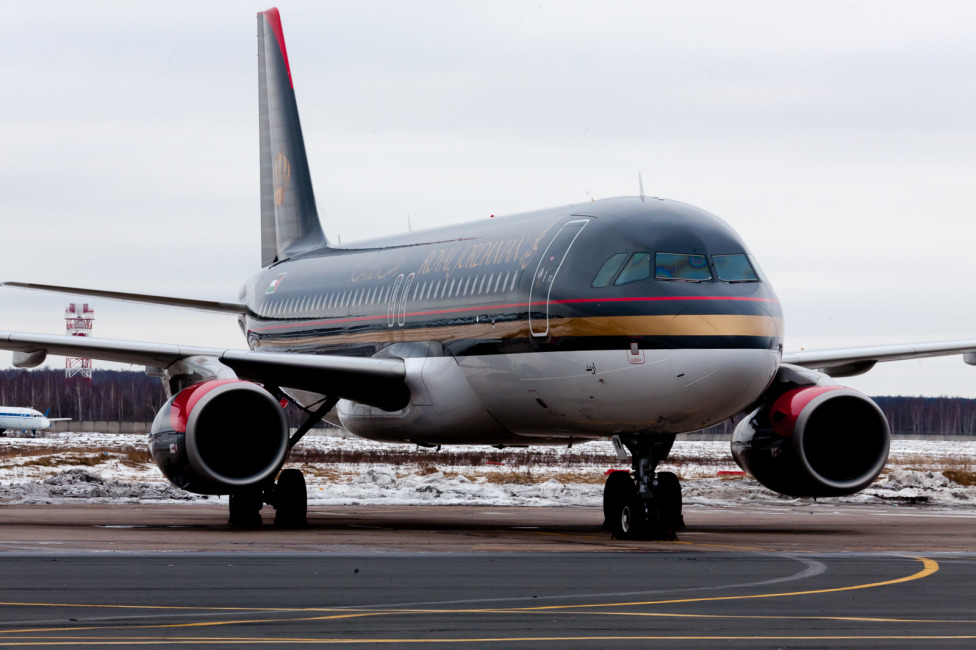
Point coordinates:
pixel 645 504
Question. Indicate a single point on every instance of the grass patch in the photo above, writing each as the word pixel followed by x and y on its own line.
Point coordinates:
pixel 963 477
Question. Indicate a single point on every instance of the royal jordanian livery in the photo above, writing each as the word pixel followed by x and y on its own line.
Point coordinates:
pixel 632 319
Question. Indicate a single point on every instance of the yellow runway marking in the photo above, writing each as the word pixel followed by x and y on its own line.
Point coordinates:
pixel 47 641
pixel 10 637
pixel 929 567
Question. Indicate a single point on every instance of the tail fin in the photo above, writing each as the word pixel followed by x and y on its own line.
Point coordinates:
pixel 289 220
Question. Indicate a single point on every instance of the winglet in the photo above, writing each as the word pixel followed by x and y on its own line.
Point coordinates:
pixel 289 219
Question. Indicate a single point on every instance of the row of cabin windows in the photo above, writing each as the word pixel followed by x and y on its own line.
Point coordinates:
pixel 322 304
pixel 624 268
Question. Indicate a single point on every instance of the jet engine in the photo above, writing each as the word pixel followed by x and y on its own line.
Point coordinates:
pixel 220 436
pixel 813 441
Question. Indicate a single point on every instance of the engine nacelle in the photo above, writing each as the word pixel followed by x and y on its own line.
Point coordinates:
pixel 814 441
pixel 220 436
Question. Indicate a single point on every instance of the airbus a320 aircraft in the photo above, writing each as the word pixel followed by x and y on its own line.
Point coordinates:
pixel 631 318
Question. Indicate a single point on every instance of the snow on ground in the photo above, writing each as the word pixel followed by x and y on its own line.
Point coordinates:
pixel 114 468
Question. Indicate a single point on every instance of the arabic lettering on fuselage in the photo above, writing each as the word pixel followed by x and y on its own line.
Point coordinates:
pixel 479 254
pixel 458 257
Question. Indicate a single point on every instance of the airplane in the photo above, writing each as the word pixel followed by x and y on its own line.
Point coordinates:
pixel 632 319
pixel 19 418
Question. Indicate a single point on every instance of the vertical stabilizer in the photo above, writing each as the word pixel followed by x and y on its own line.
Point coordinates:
pixel 289 220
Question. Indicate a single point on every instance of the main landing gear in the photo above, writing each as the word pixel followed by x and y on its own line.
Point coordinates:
pixel 288 496
pixel 644 504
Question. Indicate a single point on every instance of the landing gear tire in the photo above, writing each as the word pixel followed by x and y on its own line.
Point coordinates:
pixel 667 498
pixel 245 509
pixel 618 489
pixel 291 500
pixel 631 519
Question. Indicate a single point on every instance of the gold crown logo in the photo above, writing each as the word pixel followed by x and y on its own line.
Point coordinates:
pixel 281 172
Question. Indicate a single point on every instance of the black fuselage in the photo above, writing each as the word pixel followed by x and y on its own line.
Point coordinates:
pixel 485 288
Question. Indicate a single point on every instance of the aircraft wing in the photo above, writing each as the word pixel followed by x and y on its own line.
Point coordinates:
pixel 377 382
pixel 847 362
pixel 204 305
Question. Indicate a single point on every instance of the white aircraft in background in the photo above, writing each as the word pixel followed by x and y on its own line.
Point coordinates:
pixel 19 418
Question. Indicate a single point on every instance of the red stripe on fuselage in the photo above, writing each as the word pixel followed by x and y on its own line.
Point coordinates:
pixel 454 310
pixel 274 21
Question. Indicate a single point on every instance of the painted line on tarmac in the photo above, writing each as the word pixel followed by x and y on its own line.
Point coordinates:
pixel 928 568
pixel 137 640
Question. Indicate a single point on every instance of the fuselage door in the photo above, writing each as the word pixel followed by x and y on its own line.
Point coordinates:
pixel 391 306
pixel 545 275
pixel 402 311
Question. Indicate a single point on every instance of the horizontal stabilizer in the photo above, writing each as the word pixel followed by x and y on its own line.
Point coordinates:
pixel 188 303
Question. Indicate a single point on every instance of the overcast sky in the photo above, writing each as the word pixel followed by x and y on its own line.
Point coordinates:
pixel 839 138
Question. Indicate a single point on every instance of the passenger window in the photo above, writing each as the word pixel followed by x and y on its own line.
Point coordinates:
pixel 608 270
pixel 679 266
pixel 638 267
pixel 734 268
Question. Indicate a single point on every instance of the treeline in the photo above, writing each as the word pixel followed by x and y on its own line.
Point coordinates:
pixel 930 415
pixel 912 415
pixel 112 395
pixel 131 396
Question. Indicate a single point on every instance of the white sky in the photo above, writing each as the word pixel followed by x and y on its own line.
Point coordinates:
pixel 839 138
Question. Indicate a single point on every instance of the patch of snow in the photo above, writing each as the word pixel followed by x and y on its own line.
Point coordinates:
pixel 75 467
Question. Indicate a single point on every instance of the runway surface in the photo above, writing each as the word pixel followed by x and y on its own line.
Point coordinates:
pixel 487 577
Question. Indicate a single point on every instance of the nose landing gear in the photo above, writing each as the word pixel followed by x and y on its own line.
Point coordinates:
pixel 644 504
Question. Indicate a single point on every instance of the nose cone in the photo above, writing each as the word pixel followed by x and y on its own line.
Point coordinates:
pixel 45 423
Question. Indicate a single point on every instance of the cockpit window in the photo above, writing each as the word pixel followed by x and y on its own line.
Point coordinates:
pixel 608 270
pixel 638 267
pixel 734 268
pixel 680 266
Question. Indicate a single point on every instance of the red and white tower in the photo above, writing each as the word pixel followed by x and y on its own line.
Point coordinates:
pixel 78 321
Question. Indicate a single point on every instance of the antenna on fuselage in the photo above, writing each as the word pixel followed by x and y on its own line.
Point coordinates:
pixel 640 183
pixel 409 225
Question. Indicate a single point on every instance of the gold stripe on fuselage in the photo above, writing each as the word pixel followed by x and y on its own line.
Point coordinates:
pixel 669 325
pixel 597 326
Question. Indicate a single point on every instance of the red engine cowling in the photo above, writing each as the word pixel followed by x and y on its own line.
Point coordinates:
pixel 220 436
pixel 814 441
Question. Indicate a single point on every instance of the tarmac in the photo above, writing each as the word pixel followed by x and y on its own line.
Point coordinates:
pixel 381 576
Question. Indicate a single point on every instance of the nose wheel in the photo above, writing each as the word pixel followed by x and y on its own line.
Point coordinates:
pixel 643 504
